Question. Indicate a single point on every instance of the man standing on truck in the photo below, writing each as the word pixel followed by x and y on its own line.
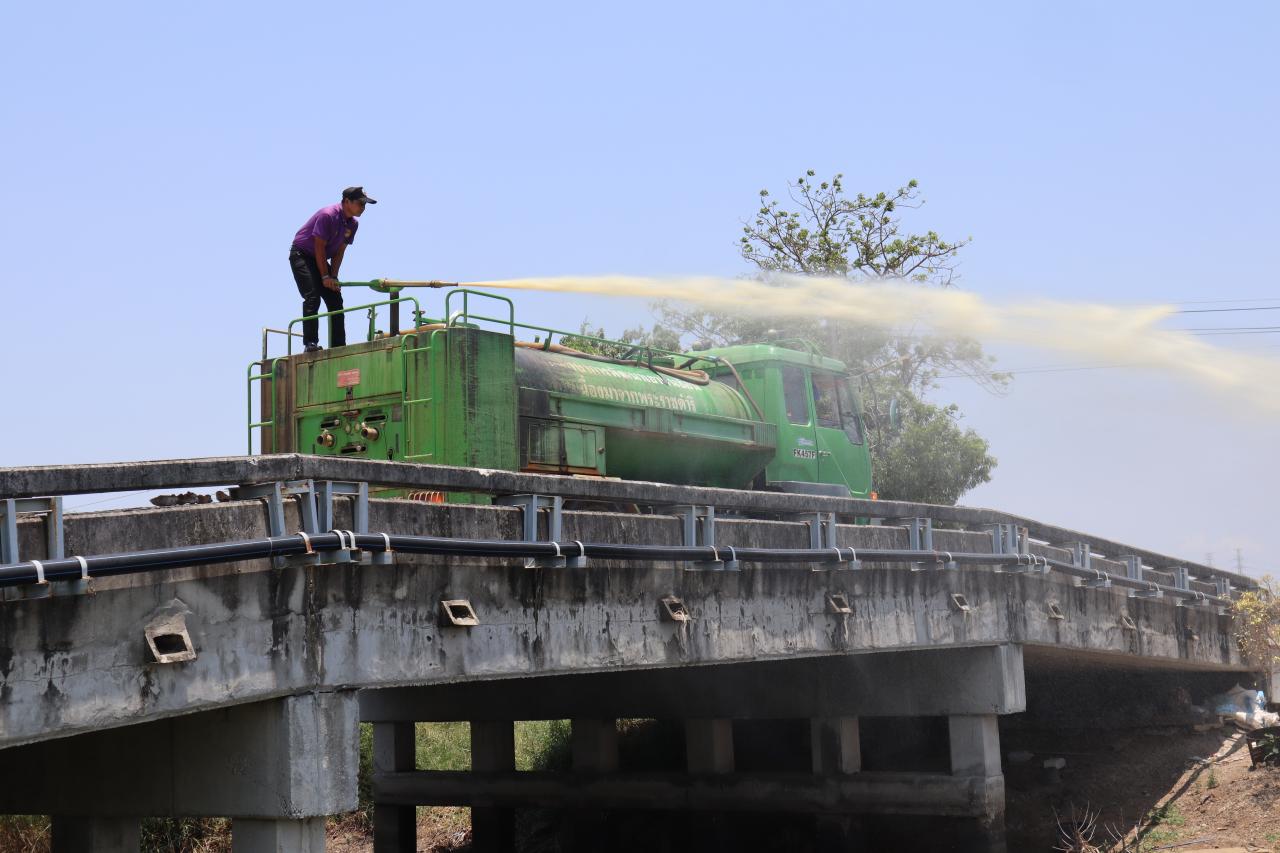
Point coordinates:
pixel 316 256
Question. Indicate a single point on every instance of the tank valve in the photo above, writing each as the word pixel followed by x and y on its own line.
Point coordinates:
pixel 368 432
pixel 325 439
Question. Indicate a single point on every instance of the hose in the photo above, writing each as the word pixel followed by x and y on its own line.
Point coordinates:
pixel 74 568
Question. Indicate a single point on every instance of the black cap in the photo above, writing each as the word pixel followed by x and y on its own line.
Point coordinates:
pixel 356 194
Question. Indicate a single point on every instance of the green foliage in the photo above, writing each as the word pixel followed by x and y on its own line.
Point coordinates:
pixel 832 234
pixel 930 458
pixel 442 746
pixel 1269 749
pixel 628 345
pixel 1257 617
pixel 543 745
pixel 1166 815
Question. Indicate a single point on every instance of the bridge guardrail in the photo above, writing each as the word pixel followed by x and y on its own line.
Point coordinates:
pixel 39 481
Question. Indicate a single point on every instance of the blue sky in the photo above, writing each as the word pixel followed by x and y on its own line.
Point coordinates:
pixel 158 158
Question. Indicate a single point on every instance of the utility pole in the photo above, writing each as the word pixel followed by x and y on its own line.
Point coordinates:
pixel 1240 561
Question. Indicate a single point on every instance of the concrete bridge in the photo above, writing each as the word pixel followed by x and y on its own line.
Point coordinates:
pixel 200 681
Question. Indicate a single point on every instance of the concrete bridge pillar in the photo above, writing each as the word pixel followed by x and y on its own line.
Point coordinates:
pixel 277 836
pixel 395 828
pixel 594 747
pixel 708 745
pixel 493 749
pixel 95 835
pixel 836 751
pixel 975 752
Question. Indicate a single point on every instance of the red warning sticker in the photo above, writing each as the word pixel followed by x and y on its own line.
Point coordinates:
pixel 347 378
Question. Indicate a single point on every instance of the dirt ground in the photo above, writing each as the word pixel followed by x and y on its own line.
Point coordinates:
pixel 440 830
pixel 1175 789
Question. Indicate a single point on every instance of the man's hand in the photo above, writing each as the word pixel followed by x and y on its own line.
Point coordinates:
pixel 330 282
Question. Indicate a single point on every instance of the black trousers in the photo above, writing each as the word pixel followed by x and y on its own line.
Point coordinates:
pixel 307 276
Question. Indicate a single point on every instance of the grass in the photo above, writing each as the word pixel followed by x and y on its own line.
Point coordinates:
pixel 1163 826
pixel 24 833
pixel 30 834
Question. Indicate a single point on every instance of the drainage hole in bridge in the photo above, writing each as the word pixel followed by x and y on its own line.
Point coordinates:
pixel 960 603
pixel 838 604
pixel 673 610
pixel 171 647
pixel 1055 612
pixel 459 613
pixel 170 644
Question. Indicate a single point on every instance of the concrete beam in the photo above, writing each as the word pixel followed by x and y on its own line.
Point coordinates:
pixel 293 757
pixel 930 682
pixel 863 793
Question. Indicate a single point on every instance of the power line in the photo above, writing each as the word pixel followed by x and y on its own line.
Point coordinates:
pixel 1229 329
pixel 1049 369
pixel 1216 310
pixel 1256 330
pixel 1220 301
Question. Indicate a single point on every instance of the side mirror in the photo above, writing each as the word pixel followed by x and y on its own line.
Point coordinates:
pixel 895 414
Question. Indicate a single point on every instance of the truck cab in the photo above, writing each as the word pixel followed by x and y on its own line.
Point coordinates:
pixel 813 402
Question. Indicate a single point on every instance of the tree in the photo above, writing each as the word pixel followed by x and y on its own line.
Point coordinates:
pixel 929 457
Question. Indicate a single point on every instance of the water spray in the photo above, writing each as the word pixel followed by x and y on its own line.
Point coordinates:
pixel 1122 334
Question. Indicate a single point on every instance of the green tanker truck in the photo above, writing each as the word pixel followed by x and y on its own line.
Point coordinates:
pixel 464 391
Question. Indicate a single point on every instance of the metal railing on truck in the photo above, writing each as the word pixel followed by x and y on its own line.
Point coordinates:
pixel 270 374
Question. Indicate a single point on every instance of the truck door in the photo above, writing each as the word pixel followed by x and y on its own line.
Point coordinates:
pixel 797 441
pixel 842 453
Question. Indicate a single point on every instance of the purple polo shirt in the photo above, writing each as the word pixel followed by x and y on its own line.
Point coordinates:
pixel 327 222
